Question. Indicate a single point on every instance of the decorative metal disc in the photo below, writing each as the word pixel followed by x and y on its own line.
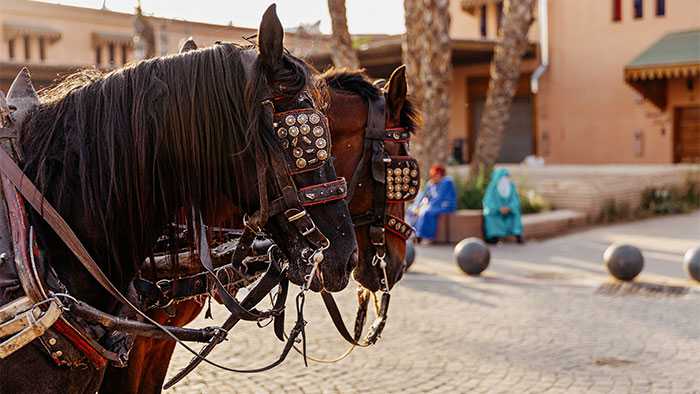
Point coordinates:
pixel 322 154
pixel 397 171
pixel 392 221
pixel 389 178
pixel 305 129
pixel 321 143
pixel 294 131
pixel 397 179
pixel 318 131
pixel 314 118
pixel 281 132
pixel 390 187
pixel 290 120
pixel 404 188
pixel 412 190
pixel 302 118
pixel 301 163
pixel 406 179
pixel 297 152
pixel 414 173
pixel 406 171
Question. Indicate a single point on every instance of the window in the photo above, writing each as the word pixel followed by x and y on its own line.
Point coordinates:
pixel 27 48
pixel 638 9
pixel 660 7
pixel 42 49
pixel 11 48
pixel 482 22
pixel 617 10
pixel 98 55
pixel 499 15
pixel 110 49
pixel 125 54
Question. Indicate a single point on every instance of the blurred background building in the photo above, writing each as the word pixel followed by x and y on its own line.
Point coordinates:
pixel 622 84
pixel 54 39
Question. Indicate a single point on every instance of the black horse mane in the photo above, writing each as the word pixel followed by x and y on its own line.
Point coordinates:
pixel 167 133
pixel 357 82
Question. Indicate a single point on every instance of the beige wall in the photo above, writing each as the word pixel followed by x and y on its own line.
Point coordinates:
pixel 584 105
pixel 466 26
pixel 77 25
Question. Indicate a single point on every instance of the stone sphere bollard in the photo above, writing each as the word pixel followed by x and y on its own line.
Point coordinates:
pixel 472 255
pixel 410 256
pixel 624 262
pixel 691 261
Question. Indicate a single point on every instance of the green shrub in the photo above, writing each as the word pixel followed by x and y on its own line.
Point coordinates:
pixel 532 202
pixel 671 200
pixel 470 194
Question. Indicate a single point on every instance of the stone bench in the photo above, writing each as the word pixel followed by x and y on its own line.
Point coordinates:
pixel 466 223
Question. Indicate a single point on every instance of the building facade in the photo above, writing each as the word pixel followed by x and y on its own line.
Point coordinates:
pixel 53 39
pixel 592 106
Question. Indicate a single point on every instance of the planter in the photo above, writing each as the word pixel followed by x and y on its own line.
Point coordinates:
pixel 463 223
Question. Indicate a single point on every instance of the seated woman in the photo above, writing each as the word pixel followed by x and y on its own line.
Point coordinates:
pixel 438 197
pixel 501 208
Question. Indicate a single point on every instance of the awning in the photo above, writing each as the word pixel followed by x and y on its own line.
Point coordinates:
pixel 16 30
pixel 106 38
pixel 676 55
pixel 471 6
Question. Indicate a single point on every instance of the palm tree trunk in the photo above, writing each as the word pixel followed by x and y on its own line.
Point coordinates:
pixel 342 53
pixel 410 47
pixel 505 73
pixel 427 53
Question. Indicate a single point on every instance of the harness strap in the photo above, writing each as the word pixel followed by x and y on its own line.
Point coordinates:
pixel 228 300
pixel 269 280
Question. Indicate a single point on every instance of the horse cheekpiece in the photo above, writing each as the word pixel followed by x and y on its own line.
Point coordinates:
pixel 305 138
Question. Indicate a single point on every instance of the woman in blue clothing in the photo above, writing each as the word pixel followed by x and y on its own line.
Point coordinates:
pixel 438 197
pixel 501 206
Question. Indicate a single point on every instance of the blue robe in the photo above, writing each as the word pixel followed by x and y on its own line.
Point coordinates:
pixel 497 225
pixel 433 201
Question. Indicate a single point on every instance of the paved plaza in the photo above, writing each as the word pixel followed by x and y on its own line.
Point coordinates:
pixel 543 318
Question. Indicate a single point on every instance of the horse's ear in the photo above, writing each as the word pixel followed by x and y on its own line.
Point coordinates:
pixel 270 36
pixel 22 97
pixel 396 90
pixel 188 45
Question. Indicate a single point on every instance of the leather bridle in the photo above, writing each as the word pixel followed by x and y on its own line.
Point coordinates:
pixel 395 180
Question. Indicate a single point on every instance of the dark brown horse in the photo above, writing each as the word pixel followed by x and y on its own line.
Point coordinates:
pixel 348 93
pixel 123 155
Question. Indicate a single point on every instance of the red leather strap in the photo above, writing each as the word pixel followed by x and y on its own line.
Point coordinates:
pixel 80 343
pixel 398 227
pixel 323 192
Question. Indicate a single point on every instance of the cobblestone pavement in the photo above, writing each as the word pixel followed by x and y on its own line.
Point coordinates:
pixel 525 329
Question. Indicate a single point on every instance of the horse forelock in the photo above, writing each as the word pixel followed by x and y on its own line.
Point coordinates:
pixel 356 82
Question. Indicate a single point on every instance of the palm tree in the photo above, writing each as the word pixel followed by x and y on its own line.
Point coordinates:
pixel 505 73
pixel 342 53
pixel 427 54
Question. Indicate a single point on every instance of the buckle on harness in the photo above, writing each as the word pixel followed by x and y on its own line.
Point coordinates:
pixel 296 216
pixel 26 325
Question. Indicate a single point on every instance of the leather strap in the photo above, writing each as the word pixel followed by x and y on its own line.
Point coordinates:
pixel 269 280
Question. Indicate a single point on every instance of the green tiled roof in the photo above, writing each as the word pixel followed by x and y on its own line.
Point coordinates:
pixel 673 49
